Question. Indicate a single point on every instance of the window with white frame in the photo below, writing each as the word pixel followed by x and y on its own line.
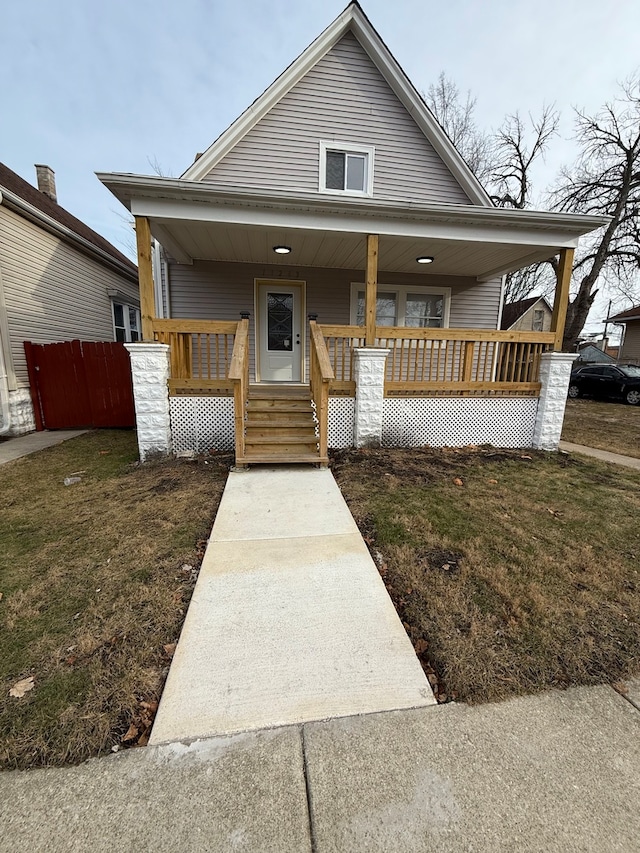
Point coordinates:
pixel 409 306
pixel 346 169
pixel 126 322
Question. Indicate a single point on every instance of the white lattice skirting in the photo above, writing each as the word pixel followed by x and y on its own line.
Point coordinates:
pixel 340 428
pixel 202 423
pixel 458 421
pixel 206 423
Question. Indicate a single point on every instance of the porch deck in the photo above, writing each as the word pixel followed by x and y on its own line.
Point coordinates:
pixel 285 423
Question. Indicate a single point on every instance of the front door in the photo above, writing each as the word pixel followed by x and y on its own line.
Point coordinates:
pixel 279 331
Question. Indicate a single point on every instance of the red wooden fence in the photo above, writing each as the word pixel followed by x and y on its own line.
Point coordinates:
pixel 78 384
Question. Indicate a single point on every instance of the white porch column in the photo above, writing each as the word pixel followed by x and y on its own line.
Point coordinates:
pixel 369 365
pixel 555 370
pixel 150 372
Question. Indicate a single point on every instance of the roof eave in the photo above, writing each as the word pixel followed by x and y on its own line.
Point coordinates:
pixel 128 188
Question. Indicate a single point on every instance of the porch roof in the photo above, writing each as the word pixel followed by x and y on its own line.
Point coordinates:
pixel 197 220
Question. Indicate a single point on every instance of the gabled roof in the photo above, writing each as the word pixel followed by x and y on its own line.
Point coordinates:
pixel 630 314
pixel 512 311
pixel 35 205
pixel 352 20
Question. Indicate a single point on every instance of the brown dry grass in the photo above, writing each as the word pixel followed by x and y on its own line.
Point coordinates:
pixel 92 591
pixel 607 426
pixel 512 571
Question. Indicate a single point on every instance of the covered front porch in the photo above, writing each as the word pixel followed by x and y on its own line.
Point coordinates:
pixel 367 376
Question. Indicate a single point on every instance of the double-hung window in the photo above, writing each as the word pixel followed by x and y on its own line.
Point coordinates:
pixel 126 322
pixel 409 306
pixel 346 169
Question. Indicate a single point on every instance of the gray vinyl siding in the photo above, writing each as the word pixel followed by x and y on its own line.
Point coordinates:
pixel 220 291
pixel 52 292
pixel 344 98
pixel 631 347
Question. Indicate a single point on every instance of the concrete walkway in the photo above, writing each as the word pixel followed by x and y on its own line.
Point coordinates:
pixel 23 445
pixel 290 620
pixel 554 772
pixel 603 455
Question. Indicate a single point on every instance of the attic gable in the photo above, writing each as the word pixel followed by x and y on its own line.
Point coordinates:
pixel 346 84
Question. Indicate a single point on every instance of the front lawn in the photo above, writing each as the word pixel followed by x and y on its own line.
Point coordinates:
pixel 95 579
pixel 607 426
pixel 513 571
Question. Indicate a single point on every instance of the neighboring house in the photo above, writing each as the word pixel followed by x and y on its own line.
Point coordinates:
pixel 589 353
pixel 59 281
pixel 337 197
pixel 531 315
pixel 630 344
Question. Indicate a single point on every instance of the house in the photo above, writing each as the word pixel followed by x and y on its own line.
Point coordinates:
pixel 532 315
pixel 59 281
pixel 589 352
pixel 630 344
pixel 366 264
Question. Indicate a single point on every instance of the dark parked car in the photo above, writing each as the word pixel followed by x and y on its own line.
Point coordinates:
pixel 606 380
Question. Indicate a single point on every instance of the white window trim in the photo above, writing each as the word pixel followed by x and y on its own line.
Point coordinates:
pixel 127 325
pixel 347 147
pixel 401 291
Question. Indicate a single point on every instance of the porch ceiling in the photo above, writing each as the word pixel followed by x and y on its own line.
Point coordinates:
pixel 189 240
pixel 198 220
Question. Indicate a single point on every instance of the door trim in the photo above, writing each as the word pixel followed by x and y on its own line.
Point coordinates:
pixel 286 282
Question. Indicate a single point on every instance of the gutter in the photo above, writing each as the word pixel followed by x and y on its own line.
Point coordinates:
pixel 128 188
pixel 13 201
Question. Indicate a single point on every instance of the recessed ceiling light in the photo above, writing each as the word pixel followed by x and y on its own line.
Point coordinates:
pixel 425 259
pixel 282 250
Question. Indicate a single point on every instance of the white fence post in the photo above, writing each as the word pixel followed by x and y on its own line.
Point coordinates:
pixel 555 371
pixel 369 368
pixel 150 372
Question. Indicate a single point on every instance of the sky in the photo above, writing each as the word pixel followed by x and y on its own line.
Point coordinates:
pixel 123 85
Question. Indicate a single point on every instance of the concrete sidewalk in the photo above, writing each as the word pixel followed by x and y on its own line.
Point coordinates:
pixel 553 772
pixel 603 455
pixel 290 620
pixel 23 445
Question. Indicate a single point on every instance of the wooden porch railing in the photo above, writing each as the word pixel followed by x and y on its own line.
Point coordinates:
pixel 200 355
pixel 340 341
pixel 320 376
pixel 443 361
pixel 239 376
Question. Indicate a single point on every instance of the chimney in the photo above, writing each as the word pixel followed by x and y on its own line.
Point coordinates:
pixel 46 181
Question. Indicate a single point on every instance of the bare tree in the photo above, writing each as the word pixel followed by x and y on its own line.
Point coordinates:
pixel 605 180
pixel 502 161
pixel 516 148
pixel 456 113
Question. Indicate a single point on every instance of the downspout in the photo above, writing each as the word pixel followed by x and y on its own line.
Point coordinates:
pixel 5 423
pixel 157 278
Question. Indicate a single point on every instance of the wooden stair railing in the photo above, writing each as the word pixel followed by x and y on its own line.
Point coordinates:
pixel 321 375
pixel 239 376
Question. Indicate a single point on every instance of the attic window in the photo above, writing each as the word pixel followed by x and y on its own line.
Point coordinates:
pixel 346 169
pixel 538 320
